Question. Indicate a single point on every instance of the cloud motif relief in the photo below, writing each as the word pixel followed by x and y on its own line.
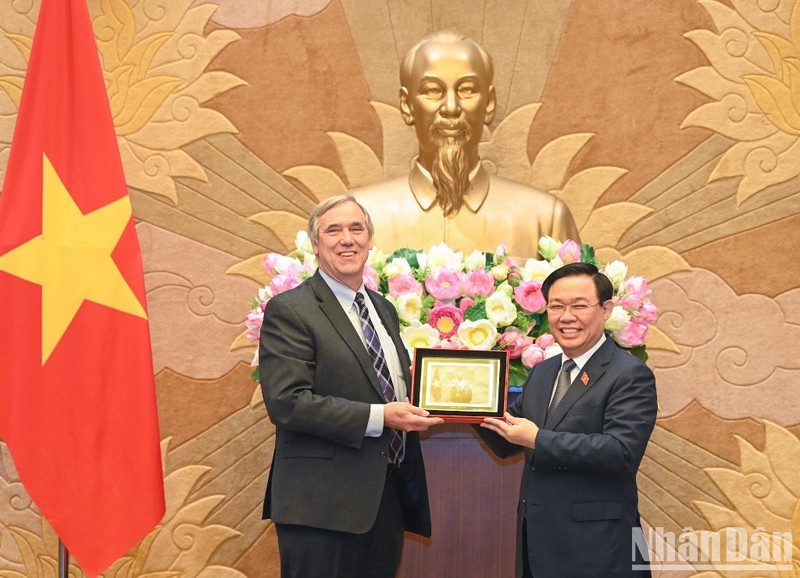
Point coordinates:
pixel 730 340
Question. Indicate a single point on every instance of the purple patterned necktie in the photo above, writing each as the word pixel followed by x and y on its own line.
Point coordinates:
pixel 381 369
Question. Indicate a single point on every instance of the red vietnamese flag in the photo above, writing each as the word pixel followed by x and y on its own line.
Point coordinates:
pixel 77 393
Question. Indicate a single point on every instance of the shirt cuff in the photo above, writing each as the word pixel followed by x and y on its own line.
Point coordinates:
pixel 375 423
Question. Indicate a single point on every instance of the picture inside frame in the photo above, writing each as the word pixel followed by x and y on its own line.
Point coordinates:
pixel 463 385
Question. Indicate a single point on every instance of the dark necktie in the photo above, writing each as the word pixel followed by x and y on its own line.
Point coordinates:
pixel 381 369
pixel 562 385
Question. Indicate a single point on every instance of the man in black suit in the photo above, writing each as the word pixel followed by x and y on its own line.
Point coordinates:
pixel 347 477
pixel 583 440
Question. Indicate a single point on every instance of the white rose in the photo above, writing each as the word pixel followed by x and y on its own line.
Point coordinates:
pixel 284 263
pixel 479 334
pixel 548 247
pixel 416 335
pixel 303 243
pixel 265 293
pixel 397 266
pixel 552 351
pixel 409 307
pixel 505 288
pixel 475 261
pixel 500 310
pixel 499 272
pixel 376 258
pixel 535 270
pixel 616 271
pixel 309 259
pixel 443 256
pixel 618 318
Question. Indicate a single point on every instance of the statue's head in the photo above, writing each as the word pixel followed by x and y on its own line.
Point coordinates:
pixel 446 94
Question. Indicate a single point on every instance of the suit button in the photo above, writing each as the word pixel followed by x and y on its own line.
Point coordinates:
pixel 524 502
pixel 384 455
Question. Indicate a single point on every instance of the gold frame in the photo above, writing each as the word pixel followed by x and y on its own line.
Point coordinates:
pixel 460 384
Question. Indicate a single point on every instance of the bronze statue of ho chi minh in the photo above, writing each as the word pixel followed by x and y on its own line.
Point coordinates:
pixel 447 95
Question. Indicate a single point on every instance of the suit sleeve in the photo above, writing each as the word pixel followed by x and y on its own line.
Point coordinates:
pixel 288 367
pixel 628 420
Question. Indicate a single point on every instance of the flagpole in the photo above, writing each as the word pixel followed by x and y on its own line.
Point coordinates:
pixel 63 560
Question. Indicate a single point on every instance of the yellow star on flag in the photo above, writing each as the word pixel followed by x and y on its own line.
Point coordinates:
pixel 71 259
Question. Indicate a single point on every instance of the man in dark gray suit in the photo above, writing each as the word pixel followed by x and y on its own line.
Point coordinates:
pixel 583 420
pixel 347 477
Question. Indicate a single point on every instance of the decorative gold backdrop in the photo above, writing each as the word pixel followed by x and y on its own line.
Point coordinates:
pixel 670 127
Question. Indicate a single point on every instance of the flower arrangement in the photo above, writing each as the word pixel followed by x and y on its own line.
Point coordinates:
pixel 481 301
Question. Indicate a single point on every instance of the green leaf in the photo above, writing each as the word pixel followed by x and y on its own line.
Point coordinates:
pixel 542 323
pixel 477 311
pixel 409 255
pixel 588 256
pixel 517 373
pixel 383 285
pixel 639 351
pixel 523 322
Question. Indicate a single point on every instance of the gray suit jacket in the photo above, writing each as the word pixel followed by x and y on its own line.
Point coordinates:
pixel 318 383
pixel 579 494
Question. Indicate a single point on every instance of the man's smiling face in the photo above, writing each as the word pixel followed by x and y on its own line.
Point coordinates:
pixel 577 333
pixel 343 243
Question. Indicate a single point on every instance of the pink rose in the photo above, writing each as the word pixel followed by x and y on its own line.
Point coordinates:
pixel 633 291
pixel 479 283
pixel 253 322
pixel 271 261
pixel 370 277
pixel 632 335
pixel 275 263
pixel 466 303
pixel 636 286
pixel 444 284
pixel 570 252
pixel 629 302
pixel 448 344
pixel 647 313
pixel 404 283
pixel 545 340
pixel 529 296
pixel 445 319
pixel 514 341
pixel 532 355
pixel 284 282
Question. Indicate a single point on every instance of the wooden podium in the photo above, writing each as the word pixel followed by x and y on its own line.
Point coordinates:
pixel 473 496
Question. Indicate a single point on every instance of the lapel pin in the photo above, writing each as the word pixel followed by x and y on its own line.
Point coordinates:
pixel 585 378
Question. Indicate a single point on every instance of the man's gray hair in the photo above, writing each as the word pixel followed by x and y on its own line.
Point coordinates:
pixel 327 205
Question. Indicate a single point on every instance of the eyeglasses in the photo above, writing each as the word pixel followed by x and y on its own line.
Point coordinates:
pixel 576 309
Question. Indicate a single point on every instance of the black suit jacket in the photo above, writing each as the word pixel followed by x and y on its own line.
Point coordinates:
pixel 318 383
pixel 579 494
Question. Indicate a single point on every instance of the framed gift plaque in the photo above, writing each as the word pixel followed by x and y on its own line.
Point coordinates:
pixel 460 384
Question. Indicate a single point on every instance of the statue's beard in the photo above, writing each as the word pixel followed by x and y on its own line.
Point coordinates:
pixel 450 170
